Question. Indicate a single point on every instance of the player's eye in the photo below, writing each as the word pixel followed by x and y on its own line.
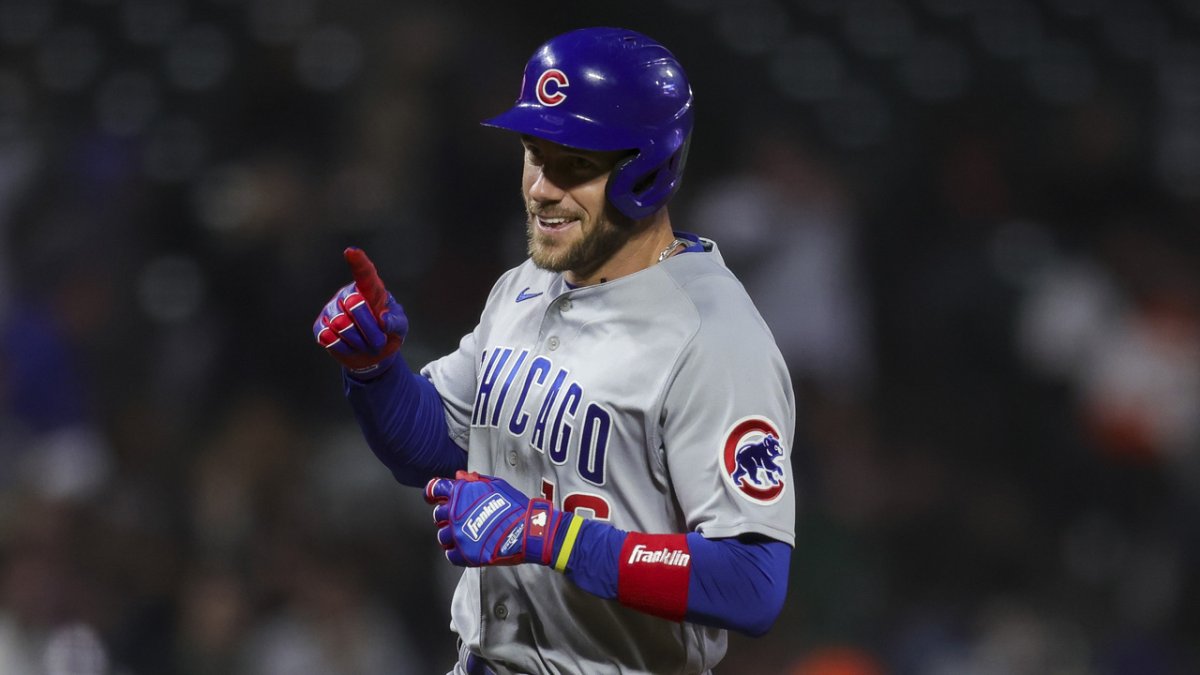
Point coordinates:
pixel 581 164
pixel 533 155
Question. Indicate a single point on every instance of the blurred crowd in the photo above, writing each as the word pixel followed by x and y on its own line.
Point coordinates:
pixel 974 228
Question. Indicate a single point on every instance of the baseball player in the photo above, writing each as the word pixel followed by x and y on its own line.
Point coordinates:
pixel 607 451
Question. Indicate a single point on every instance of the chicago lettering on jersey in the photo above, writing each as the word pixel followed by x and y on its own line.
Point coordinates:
pixel 555 428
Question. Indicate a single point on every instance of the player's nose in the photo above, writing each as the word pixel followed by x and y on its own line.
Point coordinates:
pixel 544 188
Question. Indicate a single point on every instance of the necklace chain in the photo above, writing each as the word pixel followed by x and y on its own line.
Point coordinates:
pixel 666 252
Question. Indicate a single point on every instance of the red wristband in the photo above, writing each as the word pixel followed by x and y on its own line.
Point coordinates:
pixel 653 574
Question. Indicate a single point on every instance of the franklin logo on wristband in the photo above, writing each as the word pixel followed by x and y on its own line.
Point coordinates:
pixel 665 556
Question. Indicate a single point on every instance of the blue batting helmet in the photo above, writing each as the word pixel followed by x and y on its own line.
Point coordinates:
pixel 611 89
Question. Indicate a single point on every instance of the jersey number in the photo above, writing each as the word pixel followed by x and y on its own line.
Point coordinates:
pixel 580 503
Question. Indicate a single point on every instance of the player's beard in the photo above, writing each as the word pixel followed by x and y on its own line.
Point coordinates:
pixel 598 240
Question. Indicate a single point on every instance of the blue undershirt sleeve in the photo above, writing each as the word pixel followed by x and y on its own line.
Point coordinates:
pixel 401 416
pixel 736 583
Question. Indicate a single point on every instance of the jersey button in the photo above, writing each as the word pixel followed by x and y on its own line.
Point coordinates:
pixel 512 457
pixel 500 611
pixel 564 306
pixel 552 343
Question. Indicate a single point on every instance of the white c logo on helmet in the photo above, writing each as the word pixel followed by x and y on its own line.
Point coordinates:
pixel 550 95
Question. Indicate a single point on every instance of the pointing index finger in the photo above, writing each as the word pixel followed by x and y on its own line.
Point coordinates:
pixel 366 278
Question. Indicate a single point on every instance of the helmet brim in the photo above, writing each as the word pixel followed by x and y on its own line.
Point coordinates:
pixel 567 129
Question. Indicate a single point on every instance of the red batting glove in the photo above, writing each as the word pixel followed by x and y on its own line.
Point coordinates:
pixel 362 325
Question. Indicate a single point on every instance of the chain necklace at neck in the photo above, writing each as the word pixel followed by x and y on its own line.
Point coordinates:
pixel 666 252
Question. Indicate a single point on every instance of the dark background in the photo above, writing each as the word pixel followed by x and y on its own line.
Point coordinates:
pixel 971 225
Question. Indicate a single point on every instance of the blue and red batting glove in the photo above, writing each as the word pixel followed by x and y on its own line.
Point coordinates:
pixel 483 520
pixel 362 326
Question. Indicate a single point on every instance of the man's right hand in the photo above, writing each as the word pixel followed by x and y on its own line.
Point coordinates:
pixel 362 325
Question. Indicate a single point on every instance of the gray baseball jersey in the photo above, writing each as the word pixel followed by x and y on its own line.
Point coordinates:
pixel 658 402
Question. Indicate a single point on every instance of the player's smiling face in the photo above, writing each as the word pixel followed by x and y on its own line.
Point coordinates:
pixel 570 225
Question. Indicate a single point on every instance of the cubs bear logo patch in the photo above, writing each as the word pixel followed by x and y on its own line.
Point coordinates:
pixel 752 459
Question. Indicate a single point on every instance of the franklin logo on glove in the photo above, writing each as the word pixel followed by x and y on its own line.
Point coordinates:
pixel 478 519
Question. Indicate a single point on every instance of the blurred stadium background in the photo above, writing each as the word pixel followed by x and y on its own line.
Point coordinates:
pixel 973 226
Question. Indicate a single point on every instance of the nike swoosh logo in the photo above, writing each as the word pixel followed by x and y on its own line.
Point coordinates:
pixel 525 295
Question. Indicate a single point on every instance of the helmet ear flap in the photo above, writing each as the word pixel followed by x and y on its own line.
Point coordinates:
pixel 643 183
